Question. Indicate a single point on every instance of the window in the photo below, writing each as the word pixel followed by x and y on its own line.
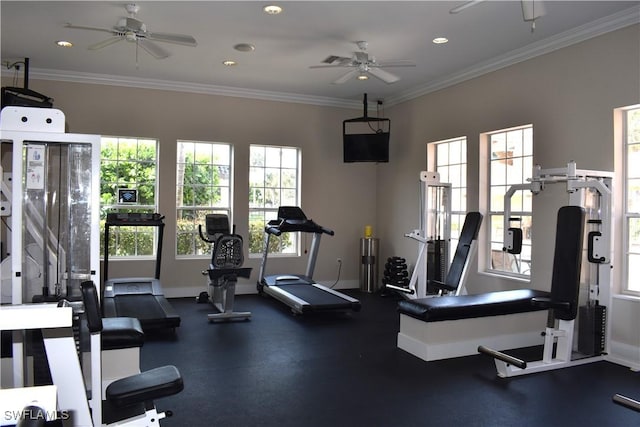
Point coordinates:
pixel 449 159
pixel 274 180
pixel 128 163
pixel 203 186
pixel 631 137
pixel 510 163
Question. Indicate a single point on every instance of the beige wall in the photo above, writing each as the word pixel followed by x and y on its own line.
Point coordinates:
pixel 568 95
pixel 337 195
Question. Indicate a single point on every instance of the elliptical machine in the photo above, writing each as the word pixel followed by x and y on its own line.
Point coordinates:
pixel 225 268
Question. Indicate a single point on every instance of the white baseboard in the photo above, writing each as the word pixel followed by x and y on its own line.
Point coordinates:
pixel 624 354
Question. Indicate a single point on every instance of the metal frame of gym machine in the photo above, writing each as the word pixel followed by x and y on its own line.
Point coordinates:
pixel 435 225
pixel 559 344
pixel 31 133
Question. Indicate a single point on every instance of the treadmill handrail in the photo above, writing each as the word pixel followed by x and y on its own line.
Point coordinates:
pixel 272 230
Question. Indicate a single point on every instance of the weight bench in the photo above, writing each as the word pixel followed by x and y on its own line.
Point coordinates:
pixel 129 400
pixel 451 326
pixel 454 326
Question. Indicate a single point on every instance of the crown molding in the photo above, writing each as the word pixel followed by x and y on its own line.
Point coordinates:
pixel 596 28
pixel 576 35
pixel 206 89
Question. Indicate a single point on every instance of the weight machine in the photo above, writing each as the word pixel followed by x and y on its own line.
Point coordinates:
pixel 50 198
pixel 432 274
pixel 226 266
pixel 590 190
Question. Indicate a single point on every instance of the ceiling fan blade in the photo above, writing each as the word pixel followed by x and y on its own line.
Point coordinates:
pixel 152 48
pixel 383 75
pixel 346 77
pixel 105 43
pixel 465 5
pixel 331 66
pixel 334 58
pixel 82 27
pixel 399 63
pixel 182 39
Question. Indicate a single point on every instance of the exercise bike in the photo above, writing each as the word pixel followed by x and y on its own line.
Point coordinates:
pixel 225 268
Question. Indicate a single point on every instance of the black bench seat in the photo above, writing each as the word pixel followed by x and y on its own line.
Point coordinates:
pixel 145 386
pixel 472 306
pixel 121 332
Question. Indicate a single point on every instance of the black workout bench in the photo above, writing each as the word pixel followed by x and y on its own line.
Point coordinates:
pixel 472 306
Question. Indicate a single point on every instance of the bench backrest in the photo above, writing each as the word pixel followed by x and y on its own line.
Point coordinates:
pixel 469 233
pixel 567 261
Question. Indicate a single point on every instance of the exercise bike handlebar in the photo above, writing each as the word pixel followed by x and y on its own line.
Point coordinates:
pixel 202 236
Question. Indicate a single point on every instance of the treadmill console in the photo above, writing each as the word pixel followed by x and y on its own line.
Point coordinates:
pixel 134 218
pixel 292 218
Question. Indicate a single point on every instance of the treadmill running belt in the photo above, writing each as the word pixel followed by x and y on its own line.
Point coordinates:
pixel 153 311
pixel 317 298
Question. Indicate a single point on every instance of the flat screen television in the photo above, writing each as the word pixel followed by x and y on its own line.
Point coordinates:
pixel 366 147
pixel 21 97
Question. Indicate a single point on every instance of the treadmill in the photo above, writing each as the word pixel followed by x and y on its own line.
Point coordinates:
pixel 300 292
pixel 139 297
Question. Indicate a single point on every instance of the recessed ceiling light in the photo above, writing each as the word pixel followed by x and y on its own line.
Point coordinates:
pixel 363 77
pixel 440 40
pixel 64 43
pixel 272 9
pixel 229 62
pixel 244 47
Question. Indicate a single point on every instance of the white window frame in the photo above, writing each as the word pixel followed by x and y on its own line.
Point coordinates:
pixel 492 246
pixel 268 211
pixel 631 211
pixel 199 248
pixel 126 207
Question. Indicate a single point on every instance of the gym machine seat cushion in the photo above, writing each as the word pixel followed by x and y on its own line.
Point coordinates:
pixel 146 386
pixel 121 332
pixel 472 306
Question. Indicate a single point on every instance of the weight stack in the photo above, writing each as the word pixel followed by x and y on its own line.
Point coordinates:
pixel 592 326
pixel 395 272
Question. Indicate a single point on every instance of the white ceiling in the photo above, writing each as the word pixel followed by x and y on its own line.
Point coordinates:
pixel 482 38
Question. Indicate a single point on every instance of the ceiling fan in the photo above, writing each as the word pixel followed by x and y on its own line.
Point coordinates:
pixel 362 65
pixel 531 10
pixel 135 31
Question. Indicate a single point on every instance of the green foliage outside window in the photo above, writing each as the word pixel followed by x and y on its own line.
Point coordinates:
pixel 128 163
pixel 203 184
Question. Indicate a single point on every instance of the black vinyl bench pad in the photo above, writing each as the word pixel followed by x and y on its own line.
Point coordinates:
pixel 472 306
pixel 121 332
pixel 146 386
